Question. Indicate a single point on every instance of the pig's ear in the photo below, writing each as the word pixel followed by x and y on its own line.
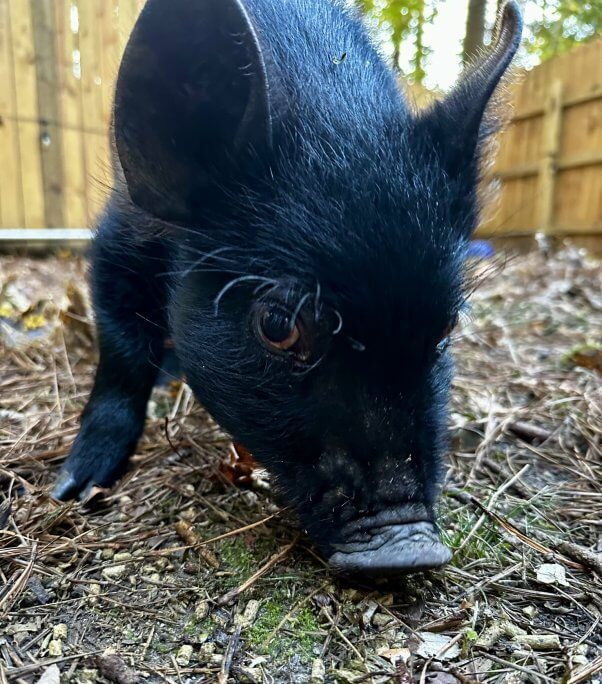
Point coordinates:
pixel 191 103
pixel 458 123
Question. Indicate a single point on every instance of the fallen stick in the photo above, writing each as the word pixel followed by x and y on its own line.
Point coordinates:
pixel 582 555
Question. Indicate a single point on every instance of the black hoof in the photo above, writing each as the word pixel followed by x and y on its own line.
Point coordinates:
pixel 66 487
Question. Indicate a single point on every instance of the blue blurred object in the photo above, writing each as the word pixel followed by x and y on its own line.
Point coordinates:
pixel 480 249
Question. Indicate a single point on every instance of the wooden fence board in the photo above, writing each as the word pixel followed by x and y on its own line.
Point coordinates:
pixel 50 133
pixel 95 138
pixel 26 96
pixel 11 195
pixel 75 202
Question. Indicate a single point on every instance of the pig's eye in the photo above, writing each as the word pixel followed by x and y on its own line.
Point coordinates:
pixel 278 329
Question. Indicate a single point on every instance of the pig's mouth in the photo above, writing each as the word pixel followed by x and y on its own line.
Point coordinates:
pixel 390 549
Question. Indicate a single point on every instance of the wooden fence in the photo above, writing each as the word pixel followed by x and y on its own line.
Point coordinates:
pixel 59 58
pixel 549 163
pixel 58 62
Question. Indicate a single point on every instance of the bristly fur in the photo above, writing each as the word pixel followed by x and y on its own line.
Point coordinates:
pixel 306 184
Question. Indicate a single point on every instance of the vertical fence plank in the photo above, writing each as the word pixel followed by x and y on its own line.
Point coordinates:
pixel 44 30
pixel 24 61
pixel 127 13
pixel 95 133
pixel 11 193
pixel 551 144
pixel 110 54
pixel 75 209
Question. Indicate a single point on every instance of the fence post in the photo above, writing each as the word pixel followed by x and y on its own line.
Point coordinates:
pixel 551 129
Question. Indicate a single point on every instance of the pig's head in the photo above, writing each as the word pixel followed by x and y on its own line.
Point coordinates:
pixel 320 229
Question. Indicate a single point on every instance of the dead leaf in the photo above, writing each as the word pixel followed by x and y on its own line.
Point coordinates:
pixel 552 573
pixel 586 357
pixel 395 655
pixel 51 675
pixel 437 646
pixel 240 467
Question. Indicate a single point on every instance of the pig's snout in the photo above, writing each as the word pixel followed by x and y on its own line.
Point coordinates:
pixel 390 550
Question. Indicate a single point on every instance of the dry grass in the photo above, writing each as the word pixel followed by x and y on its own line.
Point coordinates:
pixel 143 576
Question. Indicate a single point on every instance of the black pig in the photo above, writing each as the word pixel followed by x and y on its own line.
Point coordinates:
pixel 300 234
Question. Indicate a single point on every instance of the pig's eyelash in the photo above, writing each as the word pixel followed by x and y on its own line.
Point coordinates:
pixel 233 283
pixel 308 369
pixel 317 301
pixel 338 329
pixel 192 268
pixel 356 346
pixel 299 306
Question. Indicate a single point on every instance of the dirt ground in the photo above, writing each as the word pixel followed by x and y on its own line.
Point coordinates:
pixel 188 571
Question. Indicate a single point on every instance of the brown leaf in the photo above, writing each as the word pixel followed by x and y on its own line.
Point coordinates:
pixel 239 468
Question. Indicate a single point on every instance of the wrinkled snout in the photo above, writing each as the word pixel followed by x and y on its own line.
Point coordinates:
pixel 391 550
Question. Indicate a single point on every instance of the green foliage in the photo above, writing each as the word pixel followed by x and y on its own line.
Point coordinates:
pixel 564 23
pixel 400 21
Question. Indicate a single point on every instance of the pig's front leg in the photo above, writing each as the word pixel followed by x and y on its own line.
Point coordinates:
pixel 128 303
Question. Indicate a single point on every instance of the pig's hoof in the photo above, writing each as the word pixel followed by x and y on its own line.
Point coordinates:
pixel 391 551
pixel 66 487
pixel 69 487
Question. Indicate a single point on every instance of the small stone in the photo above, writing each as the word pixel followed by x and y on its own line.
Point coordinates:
pixel 250 675
pixel 207 649
pixel 381 620
pixel 107 554
pixel 249 615
pixel 122 556
pixel 220 617
pixel 184 655
pixel 93 593
pixel 318 671
pixel 60 631
pixel 115 572
pixel 530 611
pixel 201 610
pixel 368 612
pixel 55 648
pixel 189 514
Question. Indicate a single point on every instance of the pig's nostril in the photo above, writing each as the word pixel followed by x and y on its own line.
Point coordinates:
pixel 390 551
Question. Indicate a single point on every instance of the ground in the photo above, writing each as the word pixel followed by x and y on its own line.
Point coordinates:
pixel 189 571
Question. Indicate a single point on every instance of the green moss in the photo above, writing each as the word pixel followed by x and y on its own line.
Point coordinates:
pixel 191 626
pixel 303 624
pixel 242 559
